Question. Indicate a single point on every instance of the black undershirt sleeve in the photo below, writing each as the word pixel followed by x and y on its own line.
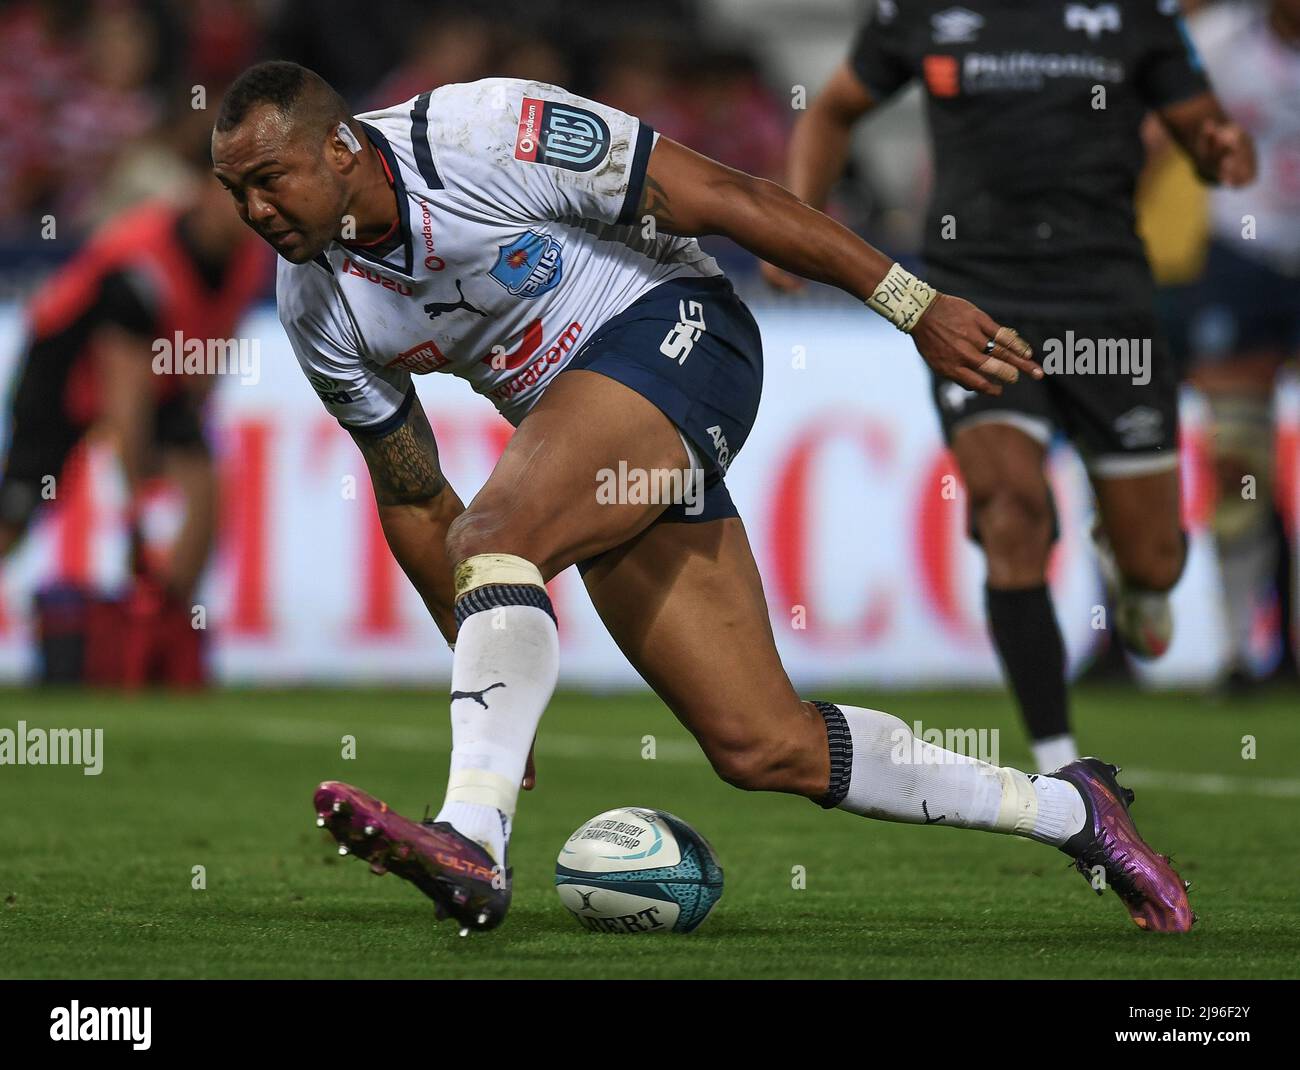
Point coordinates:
pixel 126 302
pixel 877 56
pixel 1170 69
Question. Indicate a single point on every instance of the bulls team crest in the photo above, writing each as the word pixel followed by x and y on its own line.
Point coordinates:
pixel 560 135
pixel 529 265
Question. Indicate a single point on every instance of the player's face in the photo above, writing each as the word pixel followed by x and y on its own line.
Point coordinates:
pixel 284 185
pixel 212 215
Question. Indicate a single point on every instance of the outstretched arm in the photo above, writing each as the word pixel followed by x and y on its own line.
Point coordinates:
pixel 689 194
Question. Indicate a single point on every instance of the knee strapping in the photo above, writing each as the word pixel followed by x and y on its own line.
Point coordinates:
pixel 1243 432
pixel 489 581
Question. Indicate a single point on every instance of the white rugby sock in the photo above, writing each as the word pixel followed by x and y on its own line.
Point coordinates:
pixel 504 668
pixel 893 776
pixel 485 825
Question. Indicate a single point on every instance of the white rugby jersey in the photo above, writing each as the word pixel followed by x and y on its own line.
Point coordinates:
pixel 516 205
pixel 1256 77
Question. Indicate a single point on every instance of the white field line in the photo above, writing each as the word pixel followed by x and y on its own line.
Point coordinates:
pixel 1211 783
pixel 296 732
pixel 549 744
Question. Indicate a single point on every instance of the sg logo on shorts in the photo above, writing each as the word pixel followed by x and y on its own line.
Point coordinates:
pixel 679 342
pixel 560 135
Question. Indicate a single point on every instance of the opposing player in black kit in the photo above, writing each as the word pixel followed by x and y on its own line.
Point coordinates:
pixel 1034 114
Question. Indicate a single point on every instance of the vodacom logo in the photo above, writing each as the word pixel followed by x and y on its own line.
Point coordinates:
pixel 502 359
pixel 526 356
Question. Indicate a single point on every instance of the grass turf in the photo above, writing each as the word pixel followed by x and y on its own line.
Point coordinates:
pixel 96 872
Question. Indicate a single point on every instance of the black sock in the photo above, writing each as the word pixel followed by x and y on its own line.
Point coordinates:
pixel 841 747
pixel 1028 641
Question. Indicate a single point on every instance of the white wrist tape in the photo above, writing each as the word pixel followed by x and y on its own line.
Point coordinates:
pixel 901 298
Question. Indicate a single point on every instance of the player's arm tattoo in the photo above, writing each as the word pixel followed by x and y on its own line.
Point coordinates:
pixel 654 202
pixel 404 463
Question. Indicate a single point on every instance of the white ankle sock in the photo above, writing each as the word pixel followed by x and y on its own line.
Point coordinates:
pixel 896 777
pixel 485 825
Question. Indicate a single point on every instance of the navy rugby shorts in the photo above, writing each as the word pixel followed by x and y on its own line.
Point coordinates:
pixel 692 348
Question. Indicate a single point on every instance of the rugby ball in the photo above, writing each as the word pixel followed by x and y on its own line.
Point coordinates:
pixel 636 870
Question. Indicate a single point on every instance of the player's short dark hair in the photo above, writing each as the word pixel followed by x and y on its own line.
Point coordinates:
pixel 290 88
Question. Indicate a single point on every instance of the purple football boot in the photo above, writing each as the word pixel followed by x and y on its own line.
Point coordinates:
pixel 1155 895
pixel 455 872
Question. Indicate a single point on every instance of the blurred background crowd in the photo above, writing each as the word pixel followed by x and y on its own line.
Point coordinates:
pixel 103 101
pixel 98 97
pixel 107 103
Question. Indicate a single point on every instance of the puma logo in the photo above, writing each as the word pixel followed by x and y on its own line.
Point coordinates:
pixel 477 696
pixel 928 819
pixel 436 309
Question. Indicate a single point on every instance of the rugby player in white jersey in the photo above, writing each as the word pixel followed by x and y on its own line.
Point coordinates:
pixel 541 246
pixel 1246 319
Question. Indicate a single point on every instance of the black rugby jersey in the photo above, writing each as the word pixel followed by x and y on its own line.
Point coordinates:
pixel 1034 109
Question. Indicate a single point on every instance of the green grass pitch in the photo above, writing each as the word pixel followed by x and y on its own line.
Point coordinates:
pixel 96 872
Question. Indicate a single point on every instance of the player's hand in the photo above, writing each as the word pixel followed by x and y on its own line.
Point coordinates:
pixel 530 771
pixel 953 337
pixel 779 280
pixel 1226 153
